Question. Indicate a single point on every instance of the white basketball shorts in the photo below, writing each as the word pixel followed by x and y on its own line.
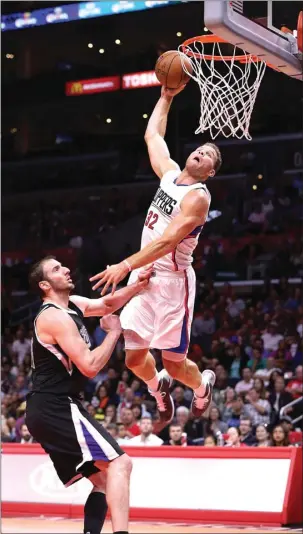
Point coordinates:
pixel 160 316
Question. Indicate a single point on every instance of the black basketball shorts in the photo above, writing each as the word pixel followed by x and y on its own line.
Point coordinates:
pixel 73 439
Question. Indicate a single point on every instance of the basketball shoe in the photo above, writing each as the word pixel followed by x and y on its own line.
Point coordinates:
pixel 199 405
pixel 163 398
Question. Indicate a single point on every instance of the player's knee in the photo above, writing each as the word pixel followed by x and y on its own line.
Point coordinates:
pixel 124 464
pixel 134 358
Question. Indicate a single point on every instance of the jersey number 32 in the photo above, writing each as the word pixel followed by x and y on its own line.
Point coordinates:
pixel 151 219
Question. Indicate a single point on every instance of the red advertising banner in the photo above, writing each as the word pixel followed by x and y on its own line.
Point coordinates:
pixel 137 80
pixel 93 85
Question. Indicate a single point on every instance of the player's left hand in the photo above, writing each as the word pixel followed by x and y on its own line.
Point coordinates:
pixel 144 277
pixel 110 277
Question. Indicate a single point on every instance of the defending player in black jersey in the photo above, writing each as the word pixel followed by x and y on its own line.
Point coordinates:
pixel 61 362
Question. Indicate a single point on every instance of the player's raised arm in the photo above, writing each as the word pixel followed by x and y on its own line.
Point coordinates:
pixel 111 303
pixel 56 327
pixel 194 210
pixel 155 132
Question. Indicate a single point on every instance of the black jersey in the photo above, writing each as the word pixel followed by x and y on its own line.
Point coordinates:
pixel 53 371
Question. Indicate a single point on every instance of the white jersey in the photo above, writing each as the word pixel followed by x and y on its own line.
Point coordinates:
pixel 165 206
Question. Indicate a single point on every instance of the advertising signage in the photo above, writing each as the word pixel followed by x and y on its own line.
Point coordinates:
pixel 77 11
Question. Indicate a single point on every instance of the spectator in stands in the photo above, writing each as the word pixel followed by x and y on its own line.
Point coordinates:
pixel 210 441
pixel 137 411
pixel 175 436
pixel 286 422
pixel 21 346
pixel 271 338
pixel 103 397
pixel 182 416
pixel 265 374
pixel 232 416
pixel 295 386
pixel 233 439
pixel 238 364
pixel 215 423
pixel 123 383
pixel 260 387
pixel 127 400
pixel 112 429
pixel 246 384
pixel 256 362
pixel 5 433
pixel 110 414
pixel 11 424
pixel 256 409
pixel 146 438
pixel 25 436
pixel 21 387
pixel 179 399
pixel 278 398
pixel 122 433
pixel 262 436
pixel 131 427
pixel 245 429
pixel 279 437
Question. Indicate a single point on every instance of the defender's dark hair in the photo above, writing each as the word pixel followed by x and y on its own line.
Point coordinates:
pixel 218 154
pixel 36 275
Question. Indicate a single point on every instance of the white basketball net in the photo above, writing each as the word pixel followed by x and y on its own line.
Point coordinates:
pixel 228 90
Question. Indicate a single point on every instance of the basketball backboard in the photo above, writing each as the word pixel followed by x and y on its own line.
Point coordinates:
pixel 227 20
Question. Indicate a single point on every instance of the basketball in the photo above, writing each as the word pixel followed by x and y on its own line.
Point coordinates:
pixel 169 69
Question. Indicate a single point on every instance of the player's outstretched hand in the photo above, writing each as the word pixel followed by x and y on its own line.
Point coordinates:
pixel 110 277
pixel 144 276
pixel 111 323
pixel 171 92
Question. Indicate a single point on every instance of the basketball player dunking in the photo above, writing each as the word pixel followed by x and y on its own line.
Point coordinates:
pixel 61 360
pixel 160 317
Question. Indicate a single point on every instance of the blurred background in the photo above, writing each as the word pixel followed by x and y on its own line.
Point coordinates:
pixel 77 90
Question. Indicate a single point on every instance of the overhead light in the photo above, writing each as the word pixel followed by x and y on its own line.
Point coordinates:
pixel 205 29
pixel 117 41
pixel 145 116
pixel 260 176
pixel 108 120
pixel 13 130
pixel 179 34
pixel 255 187
pixel 101 50
pixel 10 56
pixel 90 45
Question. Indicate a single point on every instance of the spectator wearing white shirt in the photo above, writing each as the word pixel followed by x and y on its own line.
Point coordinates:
pixel 146 437
pixel 271 338
pixel 21 346
pixel 247 383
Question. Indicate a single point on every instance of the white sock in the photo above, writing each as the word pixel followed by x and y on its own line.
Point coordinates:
pixel 199 392
pixel 206 378
pixel 153 383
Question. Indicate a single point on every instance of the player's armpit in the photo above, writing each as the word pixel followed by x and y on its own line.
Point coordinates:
pixel 159 156
pixel 56 327
pixel 194 211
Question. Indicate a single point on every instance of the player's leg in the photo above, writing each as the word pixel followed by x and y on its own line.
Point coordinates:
pixel 142 363
pixel 95 508
pixel 178 329
pixel 117 491
pixel 184 370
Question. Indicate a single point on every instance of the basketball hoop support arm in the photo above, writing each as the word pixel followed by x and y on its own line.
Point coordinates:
pixel 234 28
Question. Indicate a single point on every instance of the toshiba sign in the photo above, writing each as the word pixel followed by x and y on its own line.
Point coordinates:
pixel 95 85
pixel 137 80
